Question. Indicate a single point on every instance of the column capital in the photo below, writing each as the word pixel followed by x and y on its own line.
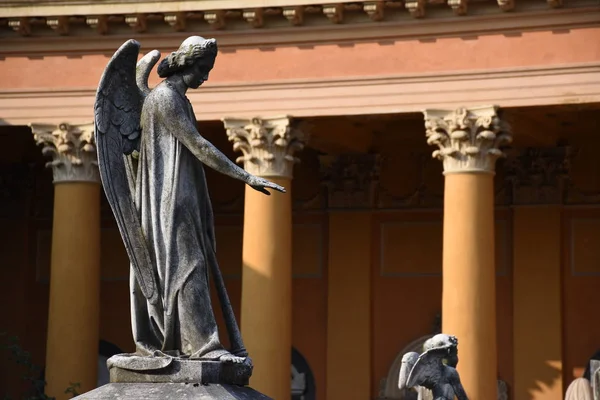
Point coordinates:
pixel 73 151
pixel 469 139
pixel 267 144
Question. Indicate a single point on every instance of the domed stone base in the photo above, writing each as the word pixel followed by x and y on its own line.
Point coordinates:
pixel 165 391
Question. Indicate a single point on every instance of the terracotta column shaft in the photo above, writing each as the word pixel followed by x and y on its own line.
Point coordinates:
pixel 74 309
pixel 468 142
pixel 469 285
pixel 266 317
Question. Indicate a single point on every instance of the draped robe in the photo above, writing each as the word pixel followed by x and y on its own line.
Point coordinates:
pixel 174 207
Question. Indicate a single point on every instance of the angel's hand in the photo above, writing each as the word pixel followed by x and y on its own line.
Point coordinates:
pixel 261 184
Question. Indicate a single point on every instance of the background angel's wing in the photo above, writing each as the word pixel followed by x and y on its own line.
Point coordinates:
pixel 117 128
pixel 408 361
pixel 428 369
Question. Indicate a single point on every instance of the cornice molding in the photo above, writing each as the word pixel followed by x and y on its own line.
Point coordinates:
pixel 515 87
pixel 100 34
pixel 16 8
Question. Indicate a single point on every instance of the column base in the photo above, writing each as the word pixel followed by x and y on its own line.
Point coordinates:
pixel 162 391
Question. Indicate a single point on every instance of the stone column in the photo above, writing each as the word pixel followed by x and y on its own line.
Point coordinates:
pixel 469 141
pixel 74 310
pixel 268 146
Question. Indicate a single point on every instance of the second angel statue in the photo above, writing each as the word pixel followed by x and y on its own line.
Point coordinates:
pixel 151 159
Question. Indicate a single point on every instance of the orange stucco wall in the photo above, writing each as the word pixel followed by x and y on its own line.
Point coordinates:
pixel 581 280
pixel 364 59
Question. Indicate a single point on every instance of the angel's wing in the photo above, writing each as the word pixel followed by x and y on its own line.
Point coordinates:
pixel 144 66
pixel 427 371
pixel 117 112
pixel 408 361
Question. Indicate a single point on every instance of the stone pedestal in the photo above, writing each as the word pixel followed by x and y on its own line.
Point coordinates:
pixel 164 391
pixel 175 370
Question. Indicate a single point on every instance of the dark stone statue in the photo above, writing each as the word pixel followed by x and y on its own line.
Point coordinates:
pixel 151 159
pixel 433 373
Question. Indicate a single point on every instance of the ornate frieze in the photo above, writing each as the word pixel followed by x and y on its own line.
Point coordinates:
pixel 267 144
pixel 538 175
pixel 422 196
pixel 73 151
pixel 145 16
pixel 351 180
pixel 469 140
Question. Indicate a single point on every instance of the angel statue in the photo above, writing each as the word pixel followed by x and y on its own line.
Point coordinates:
pixel 151 156
pixel 429 371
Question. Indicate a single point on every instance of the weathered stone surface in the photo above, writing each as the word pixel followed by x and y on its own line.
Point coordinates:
pixel 184 371
pixel 165 391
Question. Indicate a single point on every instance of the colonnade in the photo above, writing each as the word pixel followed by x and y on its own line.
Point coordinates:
pixel 468 143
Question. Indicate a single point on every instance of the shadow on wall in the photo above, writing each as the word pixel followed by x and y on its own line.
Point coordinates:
pixel 548 374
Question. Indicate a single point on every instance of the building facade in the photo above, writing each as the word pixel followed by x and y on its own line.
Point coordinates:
pixel 377 245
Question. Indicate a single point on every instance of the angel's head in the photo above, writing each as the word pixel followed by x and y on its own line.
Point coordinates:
pixel 193 60
pixel 449 342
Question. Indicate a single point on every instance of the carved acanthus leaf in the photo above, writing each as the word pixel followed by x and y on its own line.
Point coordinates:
pixel 73 151
pixel 268 144
pixel 469 140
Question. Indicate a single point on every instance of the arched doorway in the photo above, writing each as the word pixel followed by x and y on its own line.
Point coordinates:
pixel 303 381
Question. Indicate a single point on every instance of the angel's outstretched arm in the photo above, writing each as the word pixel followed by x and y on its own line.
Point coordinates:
pixel 186 132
